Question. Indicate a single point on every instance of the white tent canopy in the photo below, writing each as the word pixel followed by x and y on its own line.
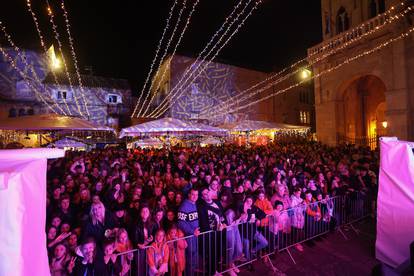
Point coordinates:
pixel 211 141
pixel 49 122
pixel 250 125
pixel 68 143
pixel 170 126
pixel 149 142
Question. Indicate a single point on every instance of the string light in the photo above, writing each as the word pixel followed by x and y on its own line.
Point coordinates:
pixel 42 43
pixel 56 33
pixel 225 104
pixel 179 85
pixel 158 114
pixel 320 74
pixel 26 79
pixel 172 54
pixel 205 48
pixel 75 61
pixel 161 108
pixel 165 53
pixel 167 26
pixel 23 58
pixel 240 96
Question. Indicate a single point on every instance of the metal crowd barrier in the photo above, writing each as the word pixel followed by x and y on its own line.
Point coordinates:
pixel 241 244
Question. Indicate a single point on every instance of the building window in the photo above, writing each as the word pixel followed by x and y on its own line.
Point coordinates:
pixel 381 6
pixel 61 95
pixel 327 23
pixel 113 99
pixel 304 117
pixel 342 21
pixel 376 7
pixel 304 97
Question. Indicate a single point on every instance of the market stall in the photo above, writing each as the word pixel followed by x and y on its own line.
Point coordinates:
pixel 261 132
pixel 38 130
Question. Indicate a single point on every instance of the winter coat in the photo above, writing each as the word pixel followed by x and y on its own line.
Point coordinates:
pixel 298 212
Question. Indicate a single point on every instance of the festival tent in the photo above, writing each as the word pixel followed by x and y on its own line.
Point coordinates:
pixel 170 126
pixel 144 143
pixel 250 125
pixel 50 122
pixel 66 143
pixel 211 141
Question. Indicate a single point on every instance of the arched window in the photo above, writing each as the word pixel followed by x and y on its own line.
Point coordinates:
pixel 376 7
pixel 381 6
pixel 373 8
pixel 12 112
pixel 342 21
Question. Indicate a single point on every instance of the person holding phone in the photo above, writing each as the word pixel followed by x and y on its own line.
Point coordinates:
pixel 142 234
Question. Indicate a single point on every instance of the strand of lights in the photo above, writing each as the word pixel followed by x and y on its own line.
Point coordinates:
pixel 172 54
pixel 161 108
pixel 57 37
pixel 167 26
pixel 22 56
pixel 391 19
pixel 26 79
pixel 204 50
pixel 42 43
pixel 320 74
pixel 164 54
pixel 189 68
pixel 388 20
pixel 75 61
pixel 161 111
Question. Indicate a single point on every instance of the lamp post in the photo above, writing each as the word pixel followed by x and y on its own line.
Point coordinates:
pixel 305 74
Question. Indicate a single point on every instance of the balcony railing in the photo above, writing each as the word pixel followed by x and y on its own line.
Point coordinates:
pixel 352 34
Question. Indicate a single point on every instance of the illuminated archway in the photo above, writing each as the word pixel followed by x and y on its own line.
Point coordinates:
pixel 363 105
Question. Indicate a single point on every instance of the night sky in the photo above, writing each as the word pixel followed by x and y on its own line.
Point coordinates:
pixel 119 38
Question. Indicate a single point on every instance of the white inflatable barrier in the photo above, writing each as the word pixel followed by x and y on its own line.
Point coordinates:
pixel 395 212
pixel 23 211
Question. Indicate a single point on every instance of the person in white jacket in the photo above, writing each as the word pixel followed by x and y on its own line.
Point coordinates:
pixel 297 217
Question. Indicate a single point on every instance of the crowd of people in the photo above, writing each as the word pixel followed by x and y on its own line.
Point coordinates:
pixel 155 212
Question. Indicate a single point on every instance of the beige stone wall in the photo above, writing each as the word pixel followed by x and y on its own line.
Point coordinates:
pixel 358 12
pixel 393 66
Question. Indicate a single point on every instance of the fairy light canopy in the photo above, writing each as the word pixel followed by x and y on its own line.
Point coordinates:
pixel 251 125
pixel 166 126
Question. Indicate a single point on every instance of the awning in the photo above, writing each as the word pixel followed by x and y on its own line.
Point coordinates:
pixel 250 125
pixel 45 122
pixel 170 126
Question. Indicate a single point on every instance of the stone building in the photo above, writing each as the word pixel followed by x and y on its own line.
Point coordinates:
pixel 220 82
pixel 371 96
pixel 108 100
